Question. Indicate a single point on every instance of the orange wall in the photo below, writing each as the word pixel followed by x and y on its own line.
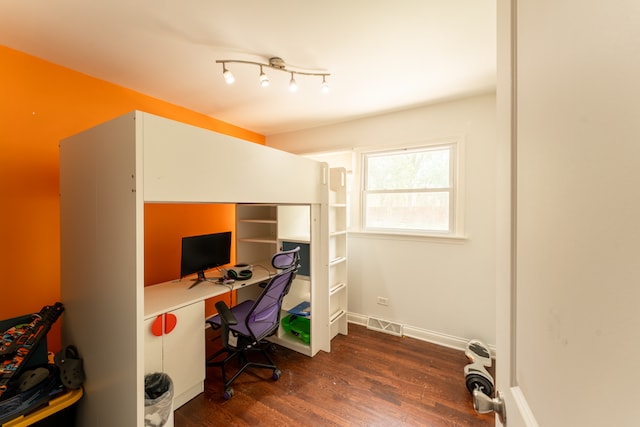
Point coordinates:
pixel 40 104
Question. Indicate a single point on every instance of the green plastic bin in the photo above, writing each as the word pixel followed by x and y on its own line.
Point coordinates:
pixel 297 326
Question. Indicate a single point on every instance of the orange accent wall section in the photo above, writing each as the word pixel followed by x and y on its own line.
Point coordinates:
pixel 40 104
pixel 166 224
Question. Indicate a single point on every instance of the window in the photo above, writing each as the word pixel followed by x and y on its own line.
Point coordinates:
pixel 410 190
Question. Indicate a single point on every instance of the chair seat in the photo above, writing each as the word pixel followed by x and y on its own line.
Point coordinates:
pixel 240 312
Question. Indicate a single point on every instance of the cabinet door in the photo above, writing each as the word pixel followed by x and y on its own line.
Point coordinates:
pixel 184 348
pixel 152 349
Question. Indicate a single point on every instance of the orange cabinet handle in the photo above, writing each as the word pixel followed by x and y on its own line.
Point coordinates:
pixel 156 326
pixel 170 321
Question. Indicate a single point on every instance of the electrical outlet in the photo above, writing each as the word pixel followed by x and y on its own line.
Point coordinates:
pixel 383 301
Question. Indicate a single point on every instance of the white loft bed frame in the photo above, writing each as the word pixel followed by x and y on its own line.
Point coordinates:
pixel 107 174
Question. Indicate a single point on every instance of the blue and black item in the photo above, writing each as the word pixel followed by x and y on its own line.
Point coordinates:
pixel 35 388
pixel 27 381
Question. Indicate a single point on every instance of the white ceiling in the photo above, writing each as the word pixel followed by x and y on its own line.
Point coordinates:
pixel 382 55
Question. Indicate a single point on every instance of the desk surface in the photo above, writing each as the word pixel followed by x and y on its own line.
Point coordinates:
pixel 174 294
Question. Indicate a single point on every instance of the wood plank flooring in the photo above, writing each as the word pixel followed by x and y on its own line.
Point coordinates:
pixel 369 379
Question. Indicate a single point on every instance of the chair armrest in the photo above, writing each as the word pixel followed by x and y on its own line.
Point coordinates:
pixel 226 316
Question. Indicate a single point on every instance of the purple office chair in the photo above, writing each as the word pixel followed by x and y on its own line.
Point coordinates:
pixel 245 326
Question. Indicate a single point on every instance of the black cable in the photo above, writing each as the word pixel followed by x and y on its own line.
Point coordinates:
pixel 266 269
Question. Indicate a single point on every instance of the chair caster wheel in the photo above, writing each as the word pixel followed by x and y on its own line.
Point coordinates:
pixel 228 394
pixel 276 374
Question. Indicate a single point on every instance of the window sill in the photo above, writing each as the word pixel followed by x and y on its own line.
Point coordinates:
pixel 436 238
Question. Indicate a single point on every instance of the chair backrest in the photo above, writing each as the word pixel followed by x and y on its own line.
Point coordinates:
pixel 285 260
pixel 264 316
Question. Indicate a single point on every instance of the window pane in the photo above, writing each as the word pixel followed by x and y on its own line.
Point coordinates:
pixel 408 211
pixel 409 170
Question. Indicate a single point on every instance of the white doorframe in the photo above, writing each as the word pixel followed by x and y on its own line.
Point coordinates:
pixel 518 413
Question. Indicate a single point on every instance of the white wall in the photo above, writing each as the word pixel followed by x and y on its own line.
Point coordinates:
pixel 440 291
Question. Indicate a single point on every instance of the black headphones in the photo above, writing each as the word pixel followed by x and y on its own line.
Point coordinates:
pixel 242 272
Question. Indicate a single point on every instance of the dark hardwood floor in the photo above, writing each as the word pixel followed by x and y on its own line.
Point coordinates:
pixel 369 379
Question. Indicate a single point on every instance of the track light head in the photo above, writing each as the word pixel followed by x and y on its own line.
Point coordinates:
pixel 228 77
pixel 264 80
pixel 324 87
pixel 293 86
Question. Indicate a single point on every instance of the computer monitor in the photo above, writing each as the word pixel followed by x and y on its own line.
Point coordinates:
pixel 204 252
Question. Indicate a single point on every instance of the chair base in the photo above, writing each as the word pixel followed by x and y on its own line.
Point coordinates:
pixel 224 356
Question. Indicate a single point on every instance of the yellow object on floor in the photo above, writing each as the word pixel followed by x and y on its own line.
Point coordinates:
pixel 55 405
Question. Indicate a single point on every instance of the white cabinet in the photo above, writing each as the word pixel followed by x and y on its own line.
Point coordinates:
pixel 174 343
pixel 338 252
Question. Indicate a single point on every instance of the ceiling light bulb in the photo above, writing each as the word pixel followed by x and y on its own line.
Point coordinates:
pixel 324 86
pixel 293 86
pixel 228 77
pixel 264 80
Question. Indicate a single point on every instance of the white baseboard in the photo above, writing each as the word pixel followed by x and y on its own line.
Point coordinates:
pixel 436 337
pixel 358 319
pixel 433 337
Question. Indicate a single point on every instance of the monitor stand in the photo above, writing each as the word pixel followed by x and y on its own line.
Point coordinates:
pixel 198 280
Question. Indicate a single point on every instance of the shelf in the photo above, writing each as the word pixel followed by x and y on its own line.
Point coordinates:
pixel 267 239
pixel 291 342
pixel 337 233
pixel 260 221
pixel 336 316
pixel 337 261
pixel 337 288
pixel 295 239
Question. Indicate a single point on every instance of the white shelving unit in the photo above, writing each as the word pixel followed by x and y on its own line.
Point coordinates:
pixel 107 175
pixel 338 289
pixel 262 230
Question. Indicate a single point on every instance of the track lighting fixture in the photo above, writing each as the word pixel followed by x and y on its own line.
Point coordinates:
pixel 275 64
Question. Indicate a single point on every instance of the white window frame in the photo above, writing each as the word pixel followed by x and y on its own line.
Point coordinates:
pixel 456 197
